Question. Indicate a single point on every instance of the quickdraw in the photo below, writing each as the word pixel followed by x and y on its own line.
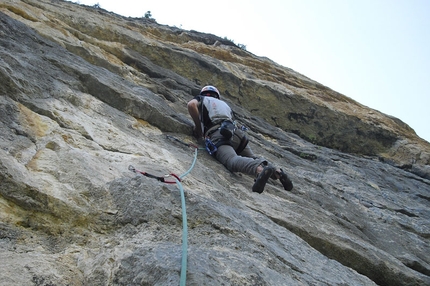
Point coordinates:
pixel 177 181
pixel 158 178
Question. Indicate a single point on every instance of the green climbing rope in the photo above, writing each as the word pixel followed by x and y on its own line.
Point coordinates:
pixel 183 278
pixel 184 224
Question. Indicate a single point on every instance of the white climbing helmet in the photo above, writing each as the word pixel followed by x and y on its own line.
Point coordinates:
pixel 211 90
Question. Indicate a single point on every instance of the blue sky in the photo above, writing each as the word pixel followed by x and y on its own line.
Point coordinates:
pixel 376 52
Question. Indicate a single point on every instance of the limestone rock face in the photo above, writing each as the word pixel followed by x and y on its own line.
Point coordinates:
pixel 85 93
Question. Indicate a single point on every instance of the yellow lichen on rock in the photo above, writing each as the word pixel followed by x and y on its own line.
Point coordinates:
pixel 33 122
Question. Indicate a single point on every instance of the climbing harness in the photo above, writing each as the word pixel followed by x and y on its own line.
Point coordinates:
pixel 244 128
pixel 177 181
pixel 227 128
pixel 210 146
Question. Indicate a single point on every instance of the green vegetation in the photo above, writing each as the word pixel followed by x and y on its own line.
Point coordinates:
pixel 240 46
pixel 148 15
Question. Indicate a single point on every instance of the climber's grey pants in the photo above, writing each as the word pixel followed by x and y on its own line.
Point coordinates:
pixel 245 162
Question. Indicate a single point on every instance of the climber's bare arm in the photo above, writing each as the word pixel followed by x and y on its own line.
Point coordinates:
pixel 193 110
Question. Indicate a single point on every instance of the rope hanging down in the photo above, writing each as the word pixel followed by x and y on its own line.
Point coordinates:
pixel 184 224
pixel 184 212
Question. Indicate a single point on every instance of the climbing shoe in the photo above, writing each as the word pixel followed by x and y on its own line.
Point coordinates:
pixel 262 178
pixel 286 182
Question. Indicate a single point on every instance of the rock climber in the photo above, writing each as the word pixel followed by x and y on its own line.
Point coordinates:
pixel 214 123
